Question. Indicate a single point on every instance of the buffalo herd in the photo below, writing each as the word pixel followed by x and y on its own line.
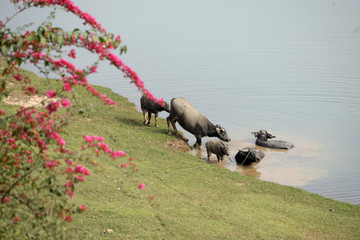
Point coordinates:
pixel 196 123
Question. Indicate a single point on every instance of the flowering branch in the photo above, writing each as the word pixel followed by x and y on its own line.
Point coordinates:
pixel 38 170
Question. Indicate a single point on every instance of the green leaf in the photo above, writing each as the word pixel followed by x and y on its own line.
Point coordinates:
pixel 123 49
pixel 86 34
pixel 4 49
pixel 43 41
pixel 20 42
pixel 18 61
pixel 30 38
pixel 61 40
pixel 115 44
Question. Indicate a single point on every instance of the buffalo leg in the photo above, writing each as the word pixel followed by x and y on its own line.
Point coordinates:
pixel 149 118
pixel 197 145
pixel 156 119
pixel 145 113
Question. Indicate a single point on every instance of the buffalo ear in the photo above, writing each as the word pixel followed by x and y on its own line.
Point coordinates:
pixel 218 129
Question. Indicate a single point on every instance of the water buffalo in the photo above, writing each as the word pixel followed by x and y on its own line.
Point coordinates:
pixel 149 106
pixel 193 121
pixel 218 148
pixel 248 155
pixel 262 140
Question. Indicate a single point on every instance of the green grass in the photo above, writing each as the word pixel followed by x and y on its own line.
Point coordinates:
pixel 192 199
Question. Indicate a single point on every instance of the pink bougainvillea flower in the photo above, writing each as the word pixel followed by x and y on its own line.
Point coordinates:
pixel 65 103
pixel 142 186
pixel 6 199
pixel 53 106
pixel 61 141
pixel 118 154
pixel 51 94
pixel 93 69
pixel 80 178
pixel 67 218
pixel 82 208
pixel 72 53
pixel 70 193
pixel 124 165
pixel 81 169
pixel 32 90
pixel 90 139
pixel 67 87
pixel 18 77
pixel 16 220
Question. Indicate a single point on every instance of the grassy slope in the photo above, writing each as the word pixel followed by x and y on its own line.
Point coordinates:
pixel 193 200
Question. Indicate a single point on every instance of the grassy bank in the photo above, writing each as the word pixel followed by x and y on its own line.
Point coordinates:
pixel 190 199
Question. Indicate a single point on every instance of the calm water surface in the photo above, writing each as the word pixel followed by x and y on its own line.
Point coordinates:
pixel 290 67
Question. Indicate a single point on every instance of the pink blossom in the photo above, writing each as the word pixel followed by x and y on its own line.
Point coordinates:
pixel 124 165
pixel 90 139
pixel 61 142
pixel 70 193
pixel 81 169
pixel 105 147
pixel 51 94
pixel 118 153
pixel 65 103
pixel 32 90
pixel 53 106
pixel 118 38
pixel 55 135
pixel 18 77
pixel 68 184
pixel 6 199
pixel 16 219
pixel 93 69
pixel 67 87
pixel 82 208
pixel 80 178
pixel 67 218
pixel 72 53
pixel 142 186
pixel 50 164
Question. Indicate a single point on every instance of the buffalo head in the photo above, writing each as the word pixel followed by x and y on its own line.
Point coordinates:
pixel 166 107
pixel 221 133
pixel 263 135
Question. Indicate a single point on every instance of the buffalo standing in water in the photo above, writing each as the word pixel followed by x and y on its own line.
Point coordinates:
pixel 218 148
pixel 193 121
pixel 262 139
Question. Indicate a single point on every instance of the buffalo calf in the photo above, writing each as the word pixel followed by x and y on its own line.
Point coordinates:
pixel 218 148
pixel 149 107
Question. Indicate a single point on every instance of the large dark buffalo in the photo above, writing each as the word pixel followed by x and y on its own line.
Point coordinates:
pixel 262 139
pixel 149 106
pixel 248 155
pixel 193 121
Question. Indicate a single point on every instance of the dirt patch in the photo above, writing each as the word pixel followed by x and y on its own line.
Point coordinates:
pixel 179 145
pixel 28 101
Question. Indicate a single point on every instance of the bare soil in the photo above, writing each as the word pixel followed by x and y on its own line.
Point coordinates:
pixel 179 145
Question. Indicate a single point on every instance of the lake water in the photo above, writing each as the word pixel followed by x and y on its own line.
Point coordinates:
pixel 290 67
